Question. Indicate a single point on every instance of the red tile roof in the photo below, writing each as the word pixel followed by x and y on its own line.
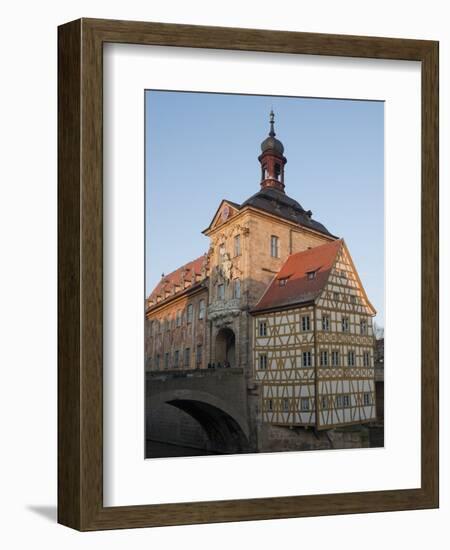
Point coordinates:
pixel 298 289
pixel 168 282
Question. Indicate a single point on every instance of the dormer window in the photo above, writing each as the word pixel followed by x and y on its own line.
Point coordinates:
pixel 282 282
pixel 311 275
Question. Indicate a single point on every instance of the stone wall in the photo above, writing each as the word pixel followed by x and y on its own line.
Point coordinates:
pixel 168 424
pixel 280 438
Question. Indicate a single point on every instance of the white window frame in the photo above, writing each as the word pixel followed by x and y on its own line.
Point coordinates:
pixel 306 323
pixel 262 361
pixel 305 405
pixel 308 356
pixel 335 354
pixel 262 328
pixel 351 354
pixel 201 309
pixel 323 358
pixel 274 246
pixel 345 324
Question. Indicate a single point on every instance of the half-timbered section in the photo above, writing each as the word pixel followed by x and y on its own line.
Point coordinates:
pixel 284 366
pixel 313 342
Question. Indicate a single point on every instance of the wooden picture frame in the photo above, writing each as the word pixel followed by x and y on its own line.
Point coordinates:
pixel 80 272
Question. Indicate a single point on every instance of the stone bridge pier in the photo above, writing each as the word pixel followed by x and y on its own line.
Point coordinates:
pixel 204 409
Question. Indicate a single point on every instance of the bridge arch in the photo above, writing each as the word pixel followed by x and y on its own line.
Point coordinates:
pixel 226 429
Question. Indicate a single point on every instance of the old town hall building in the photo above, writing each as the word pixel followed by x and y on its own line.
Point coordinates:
pixel 277 295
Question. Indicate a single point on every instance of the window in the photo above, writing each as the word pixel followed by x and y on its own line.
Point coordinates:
pixel 166 360
pixel 157 361
pixel 179 318
pixel 306 358
pixel 366 399
pixel 237 245
pixel 187 357
pixel 351 358
pixel 262 328
pixel 166 324
pixel 305 322
pixel 201 309
pixel 345 324
pixel 304 404
pixel 352 299
pixel 282 282
pixel 335 359
pixel 274 246
pixel 270 405
pixel 346 400
pixel 363 326
pixel 263 361
pixel 237 288
pixel 324 402
pixel 325 322
pixel 336 296
pixel 311 275
pixel 199 356
pixel 285 405
pixel 220 292
pixel 278 172
pixel 339 401
pixel 176 358
pixel 324 358
pixel 190 313
pixel 366 359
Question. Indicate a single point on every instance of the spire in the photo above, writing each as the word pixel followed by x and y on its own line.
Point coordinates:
pixel 272 159
pixel 272 122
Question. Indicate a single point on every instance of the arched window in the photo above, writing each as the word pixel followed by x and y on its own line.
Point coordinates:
pixel 201 309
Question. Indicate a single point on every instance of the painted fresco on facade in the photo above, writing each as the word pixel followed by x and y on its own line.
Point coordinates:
pixel 265 342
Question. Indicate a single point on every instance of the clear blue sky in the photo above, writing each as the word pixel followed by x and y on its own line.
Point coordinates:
pixel 202 148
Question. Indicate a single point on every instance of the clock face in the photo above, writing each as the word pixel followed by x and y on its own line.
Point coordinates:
pixel 225 213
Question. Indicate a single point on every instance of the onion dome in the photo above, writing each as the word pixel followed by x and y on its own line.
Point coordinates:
pixel 271 142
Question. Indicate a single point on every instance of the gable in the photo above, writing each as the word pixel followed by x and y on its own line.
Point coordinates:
pixel 224 213
pixel 344 289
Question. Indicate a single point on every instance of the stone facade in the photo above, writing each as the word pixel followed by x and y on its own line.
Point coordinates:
pixel 201 315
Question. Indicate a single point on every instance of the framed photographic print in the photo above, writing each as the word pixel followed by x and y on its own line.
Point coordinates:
pixel 248 274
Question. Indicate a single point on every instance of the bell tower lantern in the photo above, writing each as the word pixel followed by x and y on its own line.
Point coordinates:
pixel 272 160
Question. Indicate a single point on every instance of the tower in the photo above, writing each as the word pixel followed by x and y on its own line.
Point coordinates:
pixel 272 160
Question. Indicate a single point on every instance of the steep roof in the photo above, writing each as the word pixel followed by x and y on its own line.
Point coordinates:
pixel 177 278
pixel 278 203
pixel 298 288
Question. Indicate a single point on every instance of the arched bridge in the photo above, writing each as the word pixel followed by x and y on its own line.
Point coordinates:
pixel 215 398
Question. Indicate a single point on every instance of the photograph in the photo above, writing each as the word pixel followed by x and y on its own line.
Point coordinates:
pixel 264 279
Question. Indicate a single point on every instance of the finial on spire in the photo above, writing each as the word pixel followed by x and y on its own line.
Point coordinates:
pixel 272 121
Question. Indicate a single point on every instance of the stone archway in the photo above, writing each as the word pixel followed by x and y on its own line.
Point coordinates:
pixel 225 348
pixel 223 423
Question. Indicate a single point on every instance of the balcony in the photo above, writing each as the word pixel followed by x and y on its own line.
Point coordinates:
pixel 224 308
